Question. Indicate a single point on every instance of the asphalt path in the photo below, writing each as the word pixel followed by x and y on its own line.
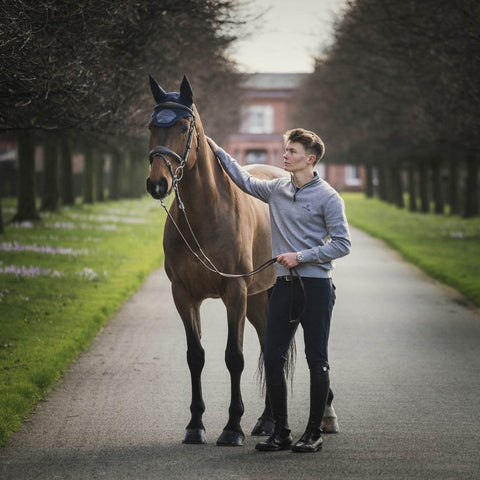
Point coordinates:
pixel 405 358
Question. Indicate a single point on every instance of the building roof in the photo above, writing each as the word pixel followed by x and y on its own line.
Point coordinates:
pixel 273 81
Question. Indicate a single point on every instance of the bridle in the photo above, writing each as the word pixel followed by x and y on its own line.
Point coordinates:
pixel 162 151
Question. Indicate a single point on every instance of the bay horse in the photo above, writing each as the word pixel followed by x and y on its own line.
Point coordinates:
pixel 211 218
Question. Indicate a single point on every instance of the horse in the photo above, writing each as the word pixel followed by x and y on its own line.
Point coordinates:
pixel 211 218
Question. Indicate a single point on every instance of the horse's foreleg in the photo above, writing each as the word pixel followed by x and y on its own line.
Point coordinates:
pixel 257 312
pixel 190 314
pixel 235 301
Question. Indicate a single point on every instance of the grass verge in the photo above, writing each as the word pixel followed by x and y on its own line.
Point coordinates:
pixel 446 247
pixel 61 279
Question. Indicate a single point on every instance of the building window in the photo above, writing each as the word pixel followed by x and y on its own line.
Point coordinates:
pixel 257 119
pixel 255 156
pixel 352 175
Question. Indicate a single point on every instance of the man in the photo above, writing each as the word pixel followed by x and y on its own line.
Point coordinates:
pixel 309 231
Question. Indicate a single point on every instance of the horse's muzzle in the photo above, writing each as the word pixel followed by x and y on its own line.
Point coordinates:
pixel 158 190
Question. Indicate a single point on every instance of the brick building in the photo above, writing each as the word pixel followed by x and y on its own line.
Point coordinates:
pixel 268 103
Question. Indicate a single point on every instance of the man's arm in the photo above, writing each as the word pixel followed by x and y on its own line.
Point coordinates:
pixel 239 175
pixel 337 227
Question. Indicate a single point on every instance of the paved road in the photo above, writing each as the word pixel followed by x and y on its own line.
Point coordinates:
pixel 405 355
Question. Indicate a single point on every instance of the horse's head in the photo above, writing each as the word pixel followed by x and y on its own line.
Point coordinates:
pixel 173 129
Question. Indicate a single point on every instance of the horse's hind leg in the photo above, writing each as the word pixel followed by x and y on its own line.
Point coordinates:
pixel 190 314
pixel 257 312
pixel 330 420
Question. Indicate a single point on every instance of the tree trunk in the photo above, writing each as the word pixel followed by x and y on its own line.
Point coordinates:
pixel 412 196
pixel 99 168
pixel 26 208
pixel 424 200
pixel 369 189
pixel 437 188
pixel 114 188
pixel 1 217
pixel 453 188
pixel 471 187
pixel 50 173
pixel 66 173
pixel 396 185
pixel 382 183
pixel 88 176
pixel 389 185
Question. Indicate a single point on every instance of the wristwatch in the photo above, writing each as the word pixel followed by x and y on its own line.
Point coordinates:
pixel 299 257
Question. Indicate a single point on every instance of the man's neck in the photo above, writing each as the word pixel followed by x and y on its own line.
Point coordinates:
pixel 303 177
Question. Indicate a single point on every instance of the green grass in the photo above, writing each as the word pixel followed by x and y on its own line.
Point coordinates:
pixel 446 247
pixel 47 320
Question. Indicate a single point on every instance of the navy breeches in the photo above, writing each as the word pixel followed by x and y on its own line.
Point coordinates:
pixel 287 301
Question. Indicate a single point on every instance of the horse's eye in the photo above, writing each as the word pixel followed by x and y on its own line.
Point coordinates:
pixel 184 128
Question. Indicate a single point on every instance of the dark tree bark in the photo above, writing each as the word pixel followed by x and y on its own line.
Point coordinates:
pixel 26 207
pixel 114 187
pixel 382 183
pixel 88 169
pixel 471 187
pixel 1 217
pixel 397 189
pixel 66 173
pixel 453 187
pixel 412 195
pixel 50 173
pixel 99 183
pixel 424 191
pixel 369 188
pixel 439 204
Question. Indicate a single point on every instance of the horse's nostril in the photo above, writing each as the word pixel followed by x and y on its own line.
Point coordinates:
pixel 158 189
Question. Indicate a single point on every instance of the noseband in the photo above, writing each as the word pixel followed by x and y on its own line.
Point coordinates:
pixel 162 151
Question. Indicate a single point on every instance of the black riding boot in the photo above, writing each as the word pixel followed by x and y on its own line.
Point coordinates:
pixel 281 439
pixel 311 440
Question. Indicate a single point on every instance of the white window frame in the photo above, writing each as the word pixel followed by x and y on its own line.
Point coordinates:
pixel 352 175
pixel 256 156
pixel 257 119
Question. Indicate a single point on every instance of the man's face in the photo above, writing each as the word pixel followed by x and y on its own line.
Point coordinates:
pixel 296 158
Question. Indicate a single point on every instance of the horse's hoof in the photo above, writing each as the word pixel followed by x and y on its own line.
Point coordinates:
pixel 263 428
pixel 194 435
pixel 231 438
pixel 330 421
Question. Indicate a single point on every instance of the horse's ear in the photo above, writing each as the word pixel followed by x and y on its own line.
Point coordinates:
pixel 159 94
pixel 186 91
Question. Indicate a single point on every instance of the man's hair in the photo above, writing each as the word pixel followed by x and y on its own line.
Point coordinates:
pixel 311 141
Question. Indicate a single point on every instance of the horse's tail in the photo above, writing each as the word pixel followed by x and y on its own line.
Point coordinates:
pixel 289 367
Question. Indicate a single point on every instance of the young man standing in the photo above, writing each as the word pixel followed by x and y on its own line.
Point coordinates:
pixel 309 231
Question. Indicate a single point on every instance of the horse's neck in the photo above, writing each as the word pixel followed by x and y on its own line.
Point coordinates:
pixel 206 186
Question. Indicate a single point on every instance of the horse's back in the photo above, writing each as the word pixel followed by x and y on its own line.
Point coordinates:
pixel 266 172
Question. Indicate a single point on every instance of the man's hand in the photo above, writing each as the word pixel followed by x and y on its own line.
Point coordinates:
pixel 288 260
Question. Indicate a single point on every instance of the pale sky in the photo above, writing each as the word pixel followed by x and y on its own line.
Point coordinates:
pixel 290 33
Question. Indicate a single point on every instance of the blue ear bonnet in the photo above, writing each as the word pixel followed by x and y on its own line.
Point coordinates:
pixel 167 114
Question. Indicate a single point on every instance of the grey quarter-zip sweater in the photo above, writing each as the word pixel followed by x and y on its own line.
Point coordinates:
pixel 310 219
